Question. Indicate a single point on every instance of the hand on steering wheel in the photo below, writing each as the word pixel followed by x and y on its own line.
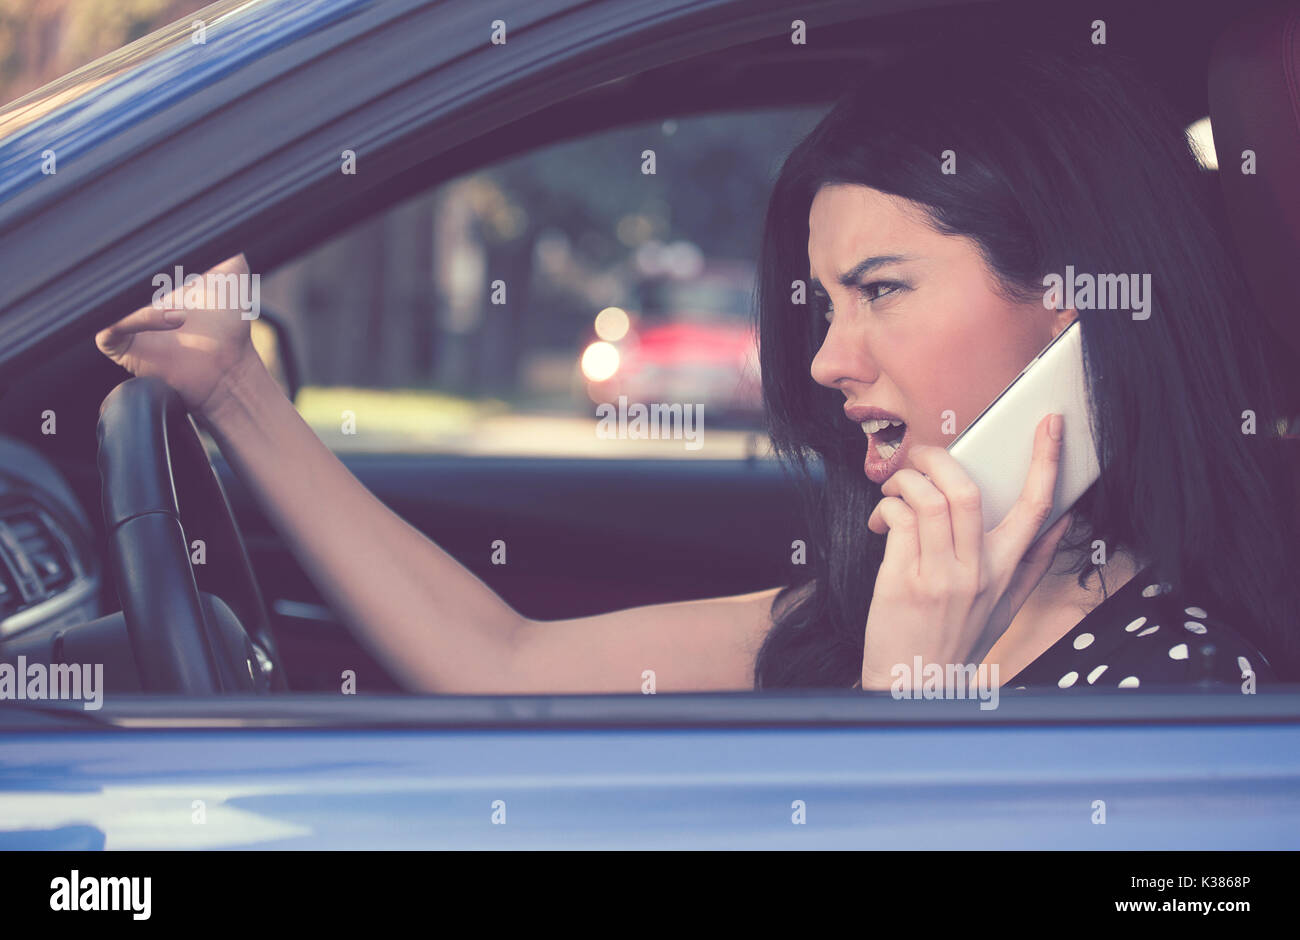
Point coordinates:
pixel 149 450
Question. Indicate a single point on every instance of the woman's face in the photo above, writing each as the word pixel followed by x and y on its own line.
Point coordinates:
pixel 919 333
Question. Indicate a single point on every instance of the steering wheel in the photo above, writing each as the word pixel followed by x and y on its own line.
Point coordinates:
pixel 184 640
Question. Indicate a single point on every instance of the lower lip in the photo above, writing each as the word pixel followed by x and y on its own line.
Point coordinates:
pixel 877 468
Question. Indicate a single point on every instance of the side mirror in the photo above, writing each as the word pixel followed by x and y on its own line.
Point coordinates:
pixel 275 348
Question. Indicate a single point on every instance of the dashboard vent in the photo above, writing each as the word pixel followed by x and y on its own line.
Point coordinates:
pixel 11 596
pixel 33 536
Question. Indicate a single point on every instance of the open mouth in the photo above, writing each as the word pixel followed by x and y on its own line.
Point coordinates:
pixel 885 435
pixel 886 447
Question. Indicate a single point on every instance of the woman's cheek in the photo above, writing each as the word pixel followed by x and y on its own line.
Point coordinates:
pixel 945 401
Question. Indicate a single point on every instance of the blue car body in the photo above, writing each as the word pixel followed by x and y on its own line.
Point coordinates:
pixel 1107 771
pixel 138 81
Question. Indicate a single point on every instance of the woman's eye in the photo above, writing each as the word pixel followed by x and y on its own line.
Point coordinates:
pixel 877 289
pixel 869 292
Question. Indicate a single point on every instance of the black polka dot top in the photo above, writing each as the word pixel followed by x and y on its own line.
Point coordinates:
pixel 1144 635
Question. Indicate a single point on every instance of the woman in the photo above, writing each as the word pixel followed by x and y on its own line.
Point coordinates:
pixel 1060 161
pixel 924 210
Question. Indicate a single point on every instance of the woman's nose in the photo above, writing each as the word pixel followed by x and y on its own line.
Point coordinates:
pixel 842 356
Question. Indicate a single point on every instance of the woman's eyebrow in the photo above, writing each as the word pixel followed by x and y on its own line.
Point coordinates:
pixel 851 276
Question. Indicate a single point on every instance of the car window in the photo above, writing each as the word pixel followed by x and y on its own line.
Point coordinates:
pixel 591 298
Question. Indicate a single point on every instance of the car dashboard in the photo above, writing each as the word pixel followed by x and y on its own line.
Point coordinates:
pixel 50 575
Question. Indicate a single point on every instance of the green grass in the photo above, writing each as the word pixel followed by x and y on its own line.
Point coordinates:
pixel 418 412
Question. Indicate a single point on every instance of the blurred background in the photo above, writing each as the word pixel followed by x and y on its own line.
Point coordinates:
pixel 491 314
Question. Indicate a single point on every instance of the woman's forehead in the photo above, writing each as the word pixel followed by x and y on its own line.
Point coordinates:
pixel 847 219
pixel 853 223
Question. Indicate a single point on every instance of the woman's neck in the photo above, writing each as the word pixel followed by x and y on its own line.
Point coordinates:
pixel 1058 603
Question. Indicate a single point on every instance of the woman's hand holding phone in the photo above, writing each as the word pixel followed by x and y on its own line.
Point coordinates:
pixel 946 589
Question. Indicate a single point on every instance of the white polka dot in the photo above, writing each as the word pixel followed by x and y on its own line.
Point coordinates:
pixel 1196 612
pixel 1020 688
pixel 1243 665
pixel 1083 641
pixel 1135 624
pixel 1192 626
pixel 1068 679
pixel 1092 676
pixel 1151 629
pixel 1130 683
pixel 1178 652
pixel 1151 590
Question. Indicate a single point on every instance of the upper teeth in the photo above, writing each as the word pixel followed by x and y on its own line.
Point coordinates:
pixel 878 424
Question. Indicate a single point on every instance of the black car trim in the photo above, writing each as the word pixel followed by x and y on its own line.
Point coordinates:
pixel 813 709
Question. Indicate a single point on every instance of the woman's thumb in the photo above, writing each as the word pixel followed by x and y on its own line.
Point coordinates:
pixel 1036 563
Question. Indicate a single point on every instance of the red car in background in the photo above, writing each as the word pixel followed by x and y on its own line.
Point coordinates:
pixel 691 340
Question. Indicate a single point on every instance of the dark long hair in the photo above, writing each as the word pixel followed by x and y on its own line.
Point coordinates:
pixel 1060 159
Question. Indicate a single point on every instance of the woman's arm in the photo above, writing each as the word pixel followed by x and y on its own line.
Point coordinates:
pixel 430 620
pixel 436 626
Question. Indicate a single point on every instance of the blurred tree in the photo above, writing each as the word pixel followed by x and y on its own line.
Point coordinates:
pixel 404 300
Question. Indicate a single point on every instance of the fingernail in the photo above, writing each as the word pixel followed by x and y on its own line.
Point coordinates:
pixel 174 315
pixel 1054 424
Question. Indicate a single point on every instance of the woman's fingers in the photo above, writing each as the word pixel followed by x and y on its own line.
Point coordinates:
pixel 1013 535
pixel 877 522
pixel 236 264
pixel 934 529
pixel 114 340
pixel 902 549
pixel 963 496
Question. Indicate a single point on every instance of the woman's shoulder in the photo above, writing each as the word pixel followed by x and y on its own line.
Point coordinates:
pixel 1149 633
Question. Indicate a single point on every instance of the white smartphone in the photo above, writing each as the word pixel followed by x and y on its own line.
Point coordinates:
pixel 995 449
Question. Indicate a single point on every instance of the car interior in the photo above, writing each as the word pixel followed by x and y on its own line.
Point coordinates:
pixel 635 531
